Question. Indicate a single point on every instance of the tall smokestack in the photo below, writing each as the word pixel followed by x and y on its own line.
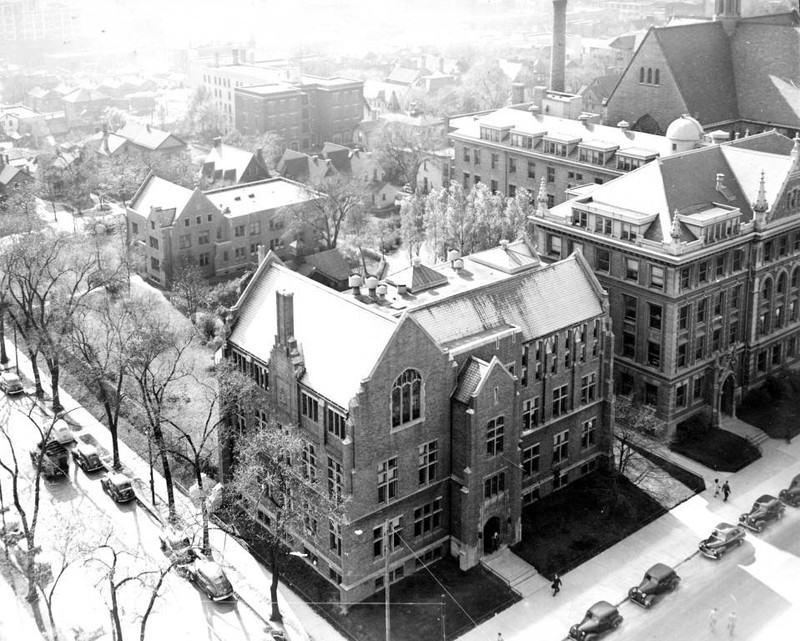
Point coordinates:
pixel 558 50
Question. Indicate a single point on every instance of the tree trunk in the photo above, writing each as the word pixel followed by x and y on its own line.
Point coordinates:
pixel 30 574
pixel 53 628
pixel 203 508
pixel 158 435
pixel 3 355
pixel 273 586
pixel 37 379
pixel 55 376
pixel 151 603
pixel 115 610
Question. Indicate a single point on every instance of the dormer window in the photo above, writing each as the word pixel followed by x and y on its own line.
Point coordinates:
pixel 628 232
pixel 523 142
pixel 555 148
pixel 493 135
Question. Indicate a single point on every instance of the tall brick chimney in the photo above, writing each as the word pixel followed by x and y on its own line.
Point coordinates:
pixel 285 301
pixel 558 49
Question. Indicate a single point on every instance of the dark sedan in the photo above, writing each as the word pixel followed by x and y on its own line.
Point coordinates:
pixel 657 580
pixel 765 510
pixel 600 618
pixel 791 495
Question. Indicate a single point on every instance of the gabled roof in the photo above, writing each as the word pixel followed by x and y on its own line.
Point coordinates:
pixel 339 156
pixel 301 167
pixel 231 162
pixel 161 199
pixel 469 378
pixel 602 86
pixel 149 137
pixel 85 95
pixel 417 277
pixel 10 173
pixel 404 76
pixel 338 354
pixel 331 263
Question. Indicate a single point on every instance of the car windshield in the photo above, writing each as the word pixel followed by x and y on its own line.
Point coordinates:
pixel 123 486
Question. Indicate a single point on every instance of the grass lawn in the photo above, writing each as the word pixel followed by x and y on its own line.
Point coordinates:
pixel 718 450
pixel 568 527
pixel 416 601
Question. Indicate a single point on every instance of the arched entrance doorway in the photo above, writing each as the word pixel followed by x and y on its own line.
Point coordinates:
pixel 491 535
pixel 726 397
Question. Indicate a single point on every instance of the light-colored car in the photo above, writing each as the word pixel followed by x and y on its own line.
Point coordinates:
pixel 61 432
pixel 11 384
pixel 87 457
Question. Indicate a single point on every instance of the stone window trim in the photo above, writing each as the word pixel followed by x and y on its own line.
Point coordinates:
pixel 407 400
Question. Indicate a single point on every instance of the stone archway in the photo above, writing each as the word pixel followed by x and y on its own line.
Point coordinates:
pixel 491 535
pixel 726 397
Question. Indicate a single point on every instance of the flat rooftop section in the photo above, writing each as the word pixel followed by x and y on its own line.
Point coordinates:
pixel 270 89
pixel 333 81
pixel 272 193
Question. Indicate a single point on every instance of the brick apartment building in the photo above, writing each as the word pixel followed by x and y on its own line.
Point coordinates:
pixel 516 148
pixel 219 230
pixel 439 402
pixel 304 110
pixel 699 254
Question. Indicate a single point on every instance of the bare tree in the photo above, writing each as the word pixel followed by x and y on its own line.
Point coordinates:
pixel 189 284
pixel 402 148
pixel 271 475
pixel 636 426
pixel 333 201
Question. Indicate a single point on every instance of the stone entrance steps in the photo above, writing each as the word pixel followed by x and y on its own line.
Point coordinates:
pixel 519 575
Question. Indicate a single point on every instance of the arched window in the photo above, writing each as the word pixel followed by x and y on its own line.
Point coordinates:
pixel 406 398
pixel 658 77
pixel 766 290
pixel 649 76
pixel 641 74
pixel 782 283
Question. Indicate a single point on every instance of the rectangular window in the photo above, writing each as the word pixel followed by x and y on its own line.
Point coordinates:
pixel 656 312
pixel 716 340
pixel 238 231
pixel 335 478
pixel 628 232
pixel 551 174
pixel 204 259
pixel 588 388
pixel 719 270
pixel 531 170
pixel 494 160
pixel 477 156
pixel 560 447
pixel 631 269
pixel 702 272
pixel 686 277
pixel 153 242
pixel 699 387
pixel 768 251
pixel 736 294
pixel 761 362
pixel 155 264
pixel 656 277
pixel 466 154
pixel 738 257
pixel 494 436
pixel 494 486
pixel 184 241
pixel 733 331
pixel 580 218
pixel 493 186
pixel 335 537
pixel 530 414
pixel 335 422
pixel 653 354
pixel 387 480
pixel 554 246
pixel 630 304
pixel 650 394
pixel 701 311
pixel 699 347
pixel 680 394
pixel 203 238
pixel 134 228
pixel 776 354
pixel 310 462
pixel 512 165
pixel 560 395
pixel 255 227
pixel 588 433
pixel 309 406
pixel 428 460
pixel 530 460
pixel 428 517
pixel 628 344
pixel 683 349
pixel 603 261
pixel 683 317
pixel 465 181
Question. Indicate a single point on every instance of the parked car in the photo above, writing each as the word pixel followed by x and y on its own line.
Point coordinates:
pixel 791 495
pixel 11 384
pixel 118 487
pixel 600 618
pixel 61 432
pixel 177 546
pixel 723 538
pixel 657 580
pixel 87 457
pixel 765 510
pixel 208 576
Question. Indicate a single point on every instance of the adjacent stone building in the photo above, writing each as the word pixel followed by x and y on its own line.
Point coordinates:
pixel 439 401
pixel 699 254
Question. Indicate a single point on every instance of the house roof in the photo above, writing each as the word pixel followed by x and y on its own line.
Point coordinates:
pixel 296 165
pixel 338 355
pixel 417 277
pixel 9 173
pixel 149 137
pixel 469 378
pixel 263 195
pixel 226 158
pixel 83 94
pixel 404 76
pixel 161 199
pixel 338 155
pixel 331 263
pixel 602 86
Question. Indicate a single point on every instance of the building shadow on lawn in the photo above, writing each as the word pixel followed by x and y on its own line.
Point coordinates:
pixel 417 601
pixel 718 450
pixel 774 407
pixel 570 526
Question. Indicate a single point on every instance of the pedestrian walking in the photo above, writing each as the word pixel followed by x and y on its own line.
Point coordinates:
pixel 717 488
pixel 495 542
pixel 726 490
pixel 712 620
pixel 499 636
pixel 731 623
pixel 556 584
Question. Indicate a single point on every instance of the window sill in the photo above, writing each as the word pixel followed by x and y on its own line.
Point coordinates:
pixel 405 426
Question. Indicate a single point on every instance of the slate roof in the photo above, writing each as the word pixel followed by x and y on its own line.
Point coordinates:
pixel 537 301
pixel 602 86
pixel 149 137
pixel 339 156
pixel 767 141
pixel 338 354
pixel 469 378
pixel 9 173
pixel 230 161
pixel 331 263
pixel 301 167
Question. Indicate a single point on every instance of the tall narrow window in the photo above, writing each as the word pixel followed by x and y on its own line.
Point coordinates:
pixel 406 398
pixel 494 436
pixel 387 480
pixel 428 454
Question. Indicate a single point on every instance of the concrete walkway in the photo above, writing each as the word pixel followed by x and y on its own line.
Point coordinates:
pixel 250 579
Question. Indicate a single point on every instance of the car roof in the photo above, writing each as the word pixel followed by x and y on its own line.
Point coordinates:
pixel 602 608
pixel 118 479
pixel 766 498
pixel 211 570
pixel 659 571
pixel 86 448
pixel 723 527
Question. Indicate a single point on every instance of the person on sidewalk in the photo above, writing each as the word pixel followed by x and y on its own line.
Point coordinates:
pixel 499 636
pixel 712 620
pixel 726 490
pixel 731 623
pixel 716 488
pixel 495 542
pixel 556 584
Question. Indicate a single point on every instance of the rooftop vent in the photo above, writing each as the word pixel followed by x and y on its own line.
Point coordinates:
pixel 458 264
pixel 372 285
pixel 535 110
pixel 504 244
pixel 237 197
pixel 354 282
pixel 251 195
pixel 624 125
pixel 381 291
pixel 584 119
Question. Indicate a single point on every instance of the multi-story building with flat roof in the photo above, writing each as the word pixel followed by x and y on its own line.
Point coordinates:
pixel 437 402
pixel 699 254
pixel 518 148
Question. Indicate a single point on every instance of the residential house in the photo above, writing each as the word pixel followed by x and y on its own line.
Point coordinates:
pixel 699 254
pixel 437 402
pixel 84 107
pixel 147 142
pixel 226 165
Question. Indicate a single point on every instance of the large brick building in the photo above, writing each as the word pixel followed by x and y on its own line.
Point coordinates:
pixel 219 230
pixel 731 73
pixel 438 402
pixel 515 148
pixel 699 254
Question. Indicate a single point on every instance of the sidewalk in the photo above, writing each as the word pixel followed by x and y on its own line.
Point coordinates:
pixel 249 578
